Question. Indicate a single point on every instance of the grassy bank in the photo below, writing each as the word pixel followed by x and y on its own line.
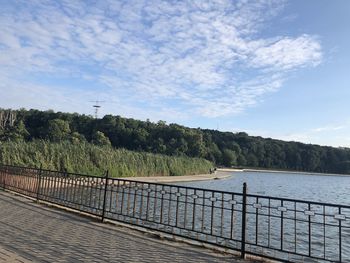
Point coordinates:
pixel 91 159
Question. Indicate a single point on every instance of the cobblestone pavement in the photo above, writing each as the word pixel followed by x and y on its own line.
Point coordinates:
pixel 31 232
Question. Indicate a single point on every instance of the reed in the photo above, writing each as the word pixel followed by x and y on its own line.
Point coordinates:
pixel 91 159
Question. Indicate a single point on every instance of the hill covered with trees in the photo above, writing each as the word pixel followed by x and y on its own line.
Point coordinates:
pixel 221 148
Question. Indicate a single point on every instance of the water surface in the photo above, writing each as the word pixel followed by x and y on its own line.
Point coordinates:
pixel 311 187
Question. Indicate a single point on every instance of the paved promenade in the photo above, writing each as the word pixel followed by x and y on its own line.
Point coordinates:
pixel 31 232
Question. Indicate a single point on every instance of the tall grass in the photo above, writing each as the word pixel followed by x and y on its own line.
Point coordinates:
pixel 91 159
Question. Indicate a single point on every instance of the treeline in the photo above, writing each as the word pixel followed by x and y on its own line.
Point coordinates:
pixel 222 148
pixel 92 159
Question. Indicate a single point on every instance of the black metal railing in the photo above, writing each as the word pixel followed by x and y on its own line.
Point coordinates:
pixel 278 228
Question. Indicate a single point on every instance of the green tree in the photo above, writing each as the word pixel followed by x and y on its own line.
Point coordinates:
pixel 58 130
pixel 252 160
pixel 229 158
pixel 100 139
pixel 196 147
pixel 214 154
pixel 159 146
pixel 311 159
pixel 77 138
pixel 18 132
pixel 241 160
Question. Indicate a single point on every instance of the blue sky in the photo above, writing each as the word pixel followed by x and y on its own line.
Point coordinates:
pixel 276 69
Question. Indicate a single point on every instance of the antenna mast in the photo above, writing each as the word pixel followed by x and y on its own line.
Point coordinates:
pixel 97 106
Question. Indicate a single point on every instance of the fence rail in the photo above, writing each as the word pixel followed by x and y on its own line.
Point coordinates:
pixel 278 228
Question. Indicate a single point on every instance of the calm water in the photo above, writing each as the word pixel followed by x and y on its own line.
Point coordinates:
pixel 319 188
pixel 216 217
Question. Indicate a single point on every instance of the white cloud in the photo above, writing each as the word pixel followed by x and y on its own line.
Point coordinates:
pixel 288 53
pixel 185 57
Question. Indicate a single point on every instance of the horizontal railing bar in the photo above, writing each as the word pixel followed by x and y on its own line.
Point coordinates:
pixel 177 186
pixel 297 201
pixel 51 171
pixel 187 187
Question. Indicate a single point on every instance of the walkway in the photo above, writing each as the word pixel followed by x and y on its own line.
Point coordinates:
pixel 31 232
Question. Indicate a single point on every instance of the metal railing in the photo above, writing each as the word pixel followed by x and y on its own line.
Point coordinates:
pixel 278 228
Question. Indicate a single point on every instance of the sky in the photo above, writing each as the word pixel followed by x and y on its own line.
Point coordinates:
pixel 270 68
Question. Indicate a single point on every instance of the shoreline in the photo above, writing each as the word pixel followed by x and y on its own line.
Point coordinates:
pixel 184 178
pixel 279 171
pixel 221 173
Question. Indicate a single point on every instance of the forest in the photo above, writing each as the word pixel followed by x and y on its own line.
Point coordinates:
pixel 221 148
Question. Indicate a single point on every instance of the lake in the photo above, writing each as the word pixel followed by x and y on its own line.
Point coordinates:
pixel 311 187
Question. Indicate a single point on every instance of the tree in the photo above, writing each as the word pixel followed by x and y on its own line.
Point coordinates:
pixel 99 138
pixel 77 138
pixel 58 130
pixel 159 146
pixel 214 154
pixel 311 159
pixel 252 160
pixel 17 132
pixel 229 158
pixel 7 119
pixel 241 160
pixel 196 147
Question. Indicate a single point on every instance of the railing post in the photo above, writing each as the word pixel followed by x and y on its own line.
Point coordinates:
pixel 244 217
pixel 104 197
pixel 38 183
pixel 2 177
pixel 5 175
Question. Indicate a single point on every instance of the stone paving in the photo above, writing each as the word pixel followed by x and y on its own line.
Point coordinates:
pixel 31 232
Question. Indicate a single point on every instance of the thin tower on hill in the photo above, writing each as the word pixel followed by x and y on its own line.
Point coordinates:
pixel 97 106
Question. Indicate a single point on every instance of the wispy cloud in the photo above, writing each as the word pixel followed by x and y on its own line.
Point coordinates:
pixel 287 53
pixel 328 128
pixel 202 58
